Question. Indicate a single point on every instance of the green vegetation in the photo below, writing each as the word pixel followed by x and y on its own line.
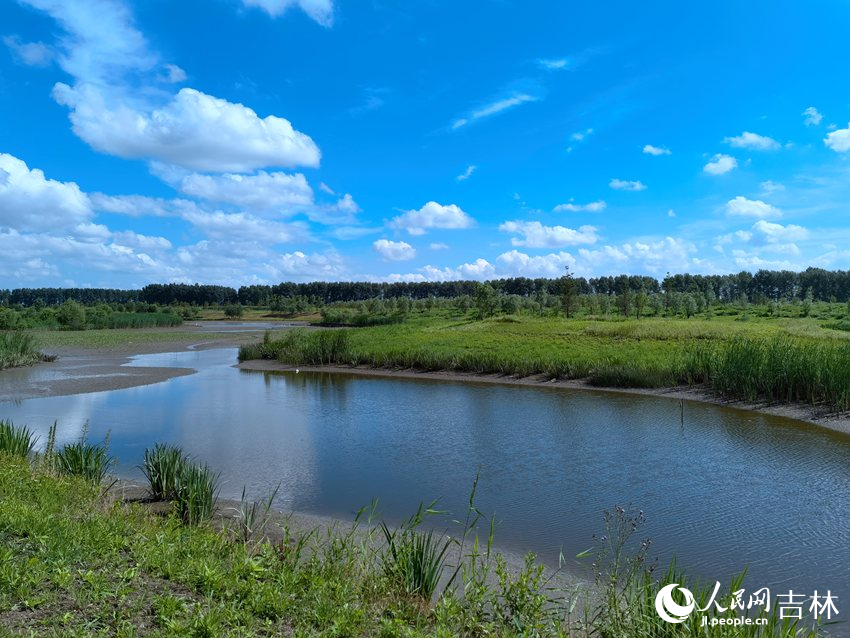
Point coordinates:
pixel 163 465
pixel 106 339
pixel 72 315
pixel 742 355
pixel 18 349
pixel 197 490
pixel 74 563
pixel 17 441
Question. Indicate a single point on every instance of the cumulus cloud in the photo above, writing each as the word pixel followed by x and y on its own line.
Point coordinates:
pixel 812 116
pixel 310 267
pixel 432 215
pixel 467 173
pixel 591 207
pixel 276 192
pixel 536 235
pixel 30 201
pixel 194 130
pixel 753 141
pixel 773 233
pixel 322 11
pixel 621 185
pixel 720 164
pixel 649 149
pixel 394 250
pixel 30 53
pixel 743 207
pixel 244 227
pixel 839 140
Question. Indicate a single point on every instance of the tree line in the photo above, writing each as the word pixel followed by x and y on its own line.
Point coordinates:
pixel 763 286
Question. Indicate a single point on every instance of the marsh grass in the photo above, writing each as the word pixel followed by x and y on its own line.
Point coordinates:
pixel 163 466
pixel 197 490
pixel 16 440
pixel 19 349
pixel 415 559
pixel 252 517
pixel 87 460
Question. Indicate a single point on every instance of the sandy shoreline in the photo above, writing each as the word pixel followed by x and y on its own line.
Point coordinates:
pixel 801 412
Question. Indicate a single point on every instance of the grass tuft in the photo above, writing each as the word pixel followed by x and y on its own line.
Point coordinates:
pixel 16 440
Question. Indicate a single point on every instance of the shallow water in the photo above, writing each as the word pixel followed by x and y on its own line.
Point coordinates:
pixel 721 490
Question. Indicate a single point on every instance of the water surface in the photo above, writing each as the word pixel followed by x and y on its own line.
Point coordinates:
pixel 723 489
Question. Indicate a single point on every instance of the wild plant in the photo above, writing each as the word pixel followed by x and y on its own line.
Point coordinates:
pixel 162 468
pixel 16 440
pixel 252 517
pixel 197 489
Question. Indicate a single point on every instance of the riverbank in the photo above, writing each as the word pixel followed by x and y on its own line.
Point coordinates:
pixel 800 412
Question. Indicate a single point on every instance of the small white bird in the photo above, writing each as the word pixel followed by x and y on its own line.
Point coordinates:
pixel 297 370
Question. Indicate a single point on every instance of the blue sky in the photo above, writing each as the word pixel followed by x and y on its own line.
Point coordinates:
pixel 257 141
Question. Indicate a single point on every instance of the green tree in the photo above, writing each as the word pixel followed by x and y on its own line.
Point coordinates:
pixel 569 293
pixel 233 311
pixel 71 315
pixel 486 300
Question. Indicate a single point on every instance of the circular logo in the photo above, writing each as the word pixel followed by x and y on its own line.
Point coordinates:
pixel 669 609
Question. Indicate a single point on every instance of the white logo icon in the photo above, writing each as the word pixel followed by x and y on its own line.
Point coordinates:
pixel 669 609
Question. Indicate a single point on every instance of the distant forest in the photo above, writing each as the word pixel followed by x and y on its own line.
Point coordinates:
pixel 761 287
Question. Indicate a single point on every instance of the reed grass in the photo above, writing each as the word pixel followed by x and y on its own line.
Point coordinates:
pixel 197 490
pixel 16 440
pixel 163 466
pixel 87 460
pixel 18 349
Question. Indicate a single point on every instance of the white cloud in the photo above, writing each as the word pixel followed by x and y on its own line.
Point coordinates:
pixel 276 192
pixel 299 265
pixel 30 201
pixel 649 149
pixel 671 213
pixel 394 250
pixel 432 215
pixel 591 207
pixel 580 135
pixel 326 189
pixel 322 11
pixel 813 117
pixel 438 246
pixel 553 64
pixel 174 74
pixel 536 235
pixel 194 130
pixel 493 108
pixel 621 185
pixel 238 227
pixel 839 140
pixel 743 207
pixel 769 186
pixel 777 233
pixel 753 141
pixel 30 53
pixel 654 257
pixel 515 263
pixel 467 173
pixel 720 164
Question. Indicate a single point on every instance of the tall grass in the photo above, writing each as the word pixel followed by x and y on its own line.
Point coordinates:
pixel 16 440
pixel 116 320
pixel 778 370
pixel 313 347
pixel 88 460
pixel 415 559
pixel 197 489
pixel 162 467
pixel 18 349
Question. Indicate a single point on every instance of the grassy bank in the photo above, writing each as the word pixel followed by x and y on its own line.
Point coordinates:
pixel 76 562
pixel 18 349
pixel 777 360
pixel 119 338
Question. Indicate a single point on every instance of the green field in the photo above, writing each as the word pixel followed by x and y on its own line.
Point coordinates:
pixel 741 355
pixel 119 338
